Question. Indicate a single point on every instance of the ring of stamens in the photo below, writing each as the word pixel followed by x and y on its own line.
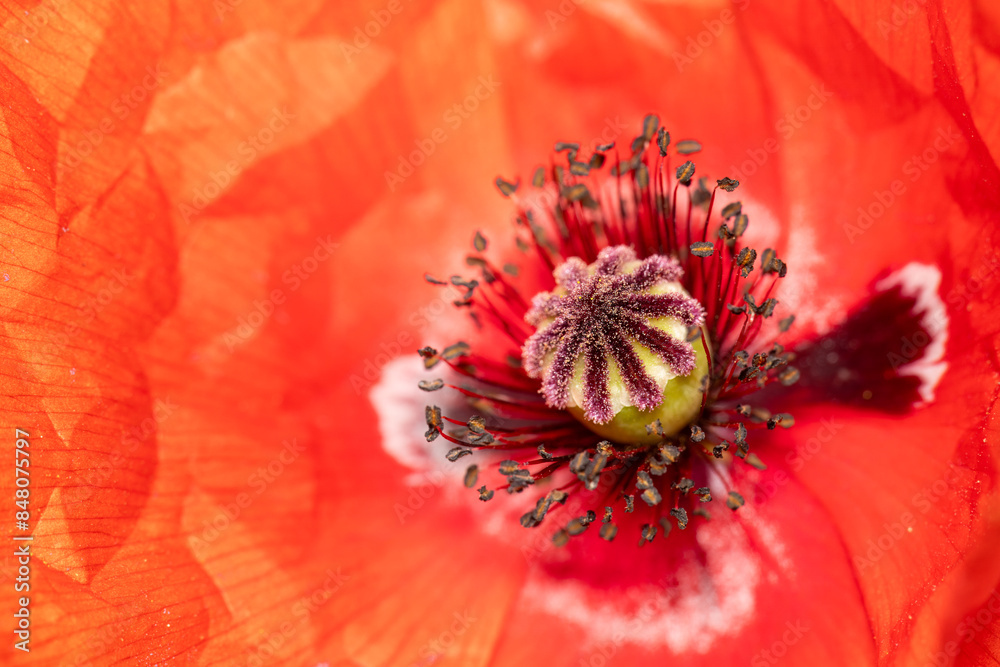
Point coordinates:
pixel 731 288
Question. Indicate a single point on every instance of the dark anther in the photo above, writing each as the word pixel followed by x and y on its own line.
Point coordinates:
pixel 649 126
pixel 745 261
pixel 479 242
pixel 702 249
pixel 755 461
pixel 697 434
pixel 785 324
pixel 767 308
pixel 789 376
pixel 701 195
pixel 742 449
pixel 608 514
pixel 569 146
pixel 687 147
pixel 433 415
pixel 729 210
pixel 704 493
pixel 578 168
pixel 741 433
pixel 471 475
pixel 702 512
pixel 591 475
pixel 683 485
pixel 597 161
pixel 685 172
pixel 430 385
pixel 741 358
pixel 786 420
pixel 476 424
pixel 734 501
pixel 759 359
pixel 509 467
pixel 642 176
pixel 681 515
pixel 740 224
pixel 603 148
pixel 651 496
pixel 693 334
pixel 577 525
pixel 662 141
pixel 648 533
pixel 544 454
pixel 560 538
pixel 743 409
pixel 529 520
pixel 670 453
pixel 456 453
pixel 629 503
pixel 608 531
pixel 578 463
pixel 538 180
pixel 736 310
pixel 429 355
pixel 432 280
pixel 455 350
pixel 485 494
pixel 643 480
pixel 717 451
pixel 506 188
pixel 728 184
pixel 656 427
pixel 656 467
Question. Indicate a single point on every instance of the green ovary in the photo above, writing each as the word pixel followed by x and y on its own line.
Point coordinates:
pixel 682 399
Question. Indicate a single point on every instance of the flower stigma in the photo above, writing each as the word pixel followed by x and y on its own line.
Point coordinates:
pixel 619 345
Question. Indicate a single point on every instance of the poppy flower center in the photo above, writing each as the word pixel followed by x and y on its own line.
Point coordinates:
pixel 634 372
pixel 618 344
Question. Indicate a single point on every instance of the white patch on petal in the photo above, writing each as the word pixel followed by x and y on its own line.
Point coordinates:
pixel 799 289
pixel 397 401
pixel 922 282
pixel 712 600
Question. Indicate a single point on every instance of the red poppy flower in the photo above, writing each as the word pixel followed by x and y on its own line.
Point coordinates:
pixel 217 220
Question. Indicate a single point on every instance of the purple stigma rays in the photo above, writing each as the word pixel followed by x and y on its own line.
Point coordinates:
pixel 611 334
